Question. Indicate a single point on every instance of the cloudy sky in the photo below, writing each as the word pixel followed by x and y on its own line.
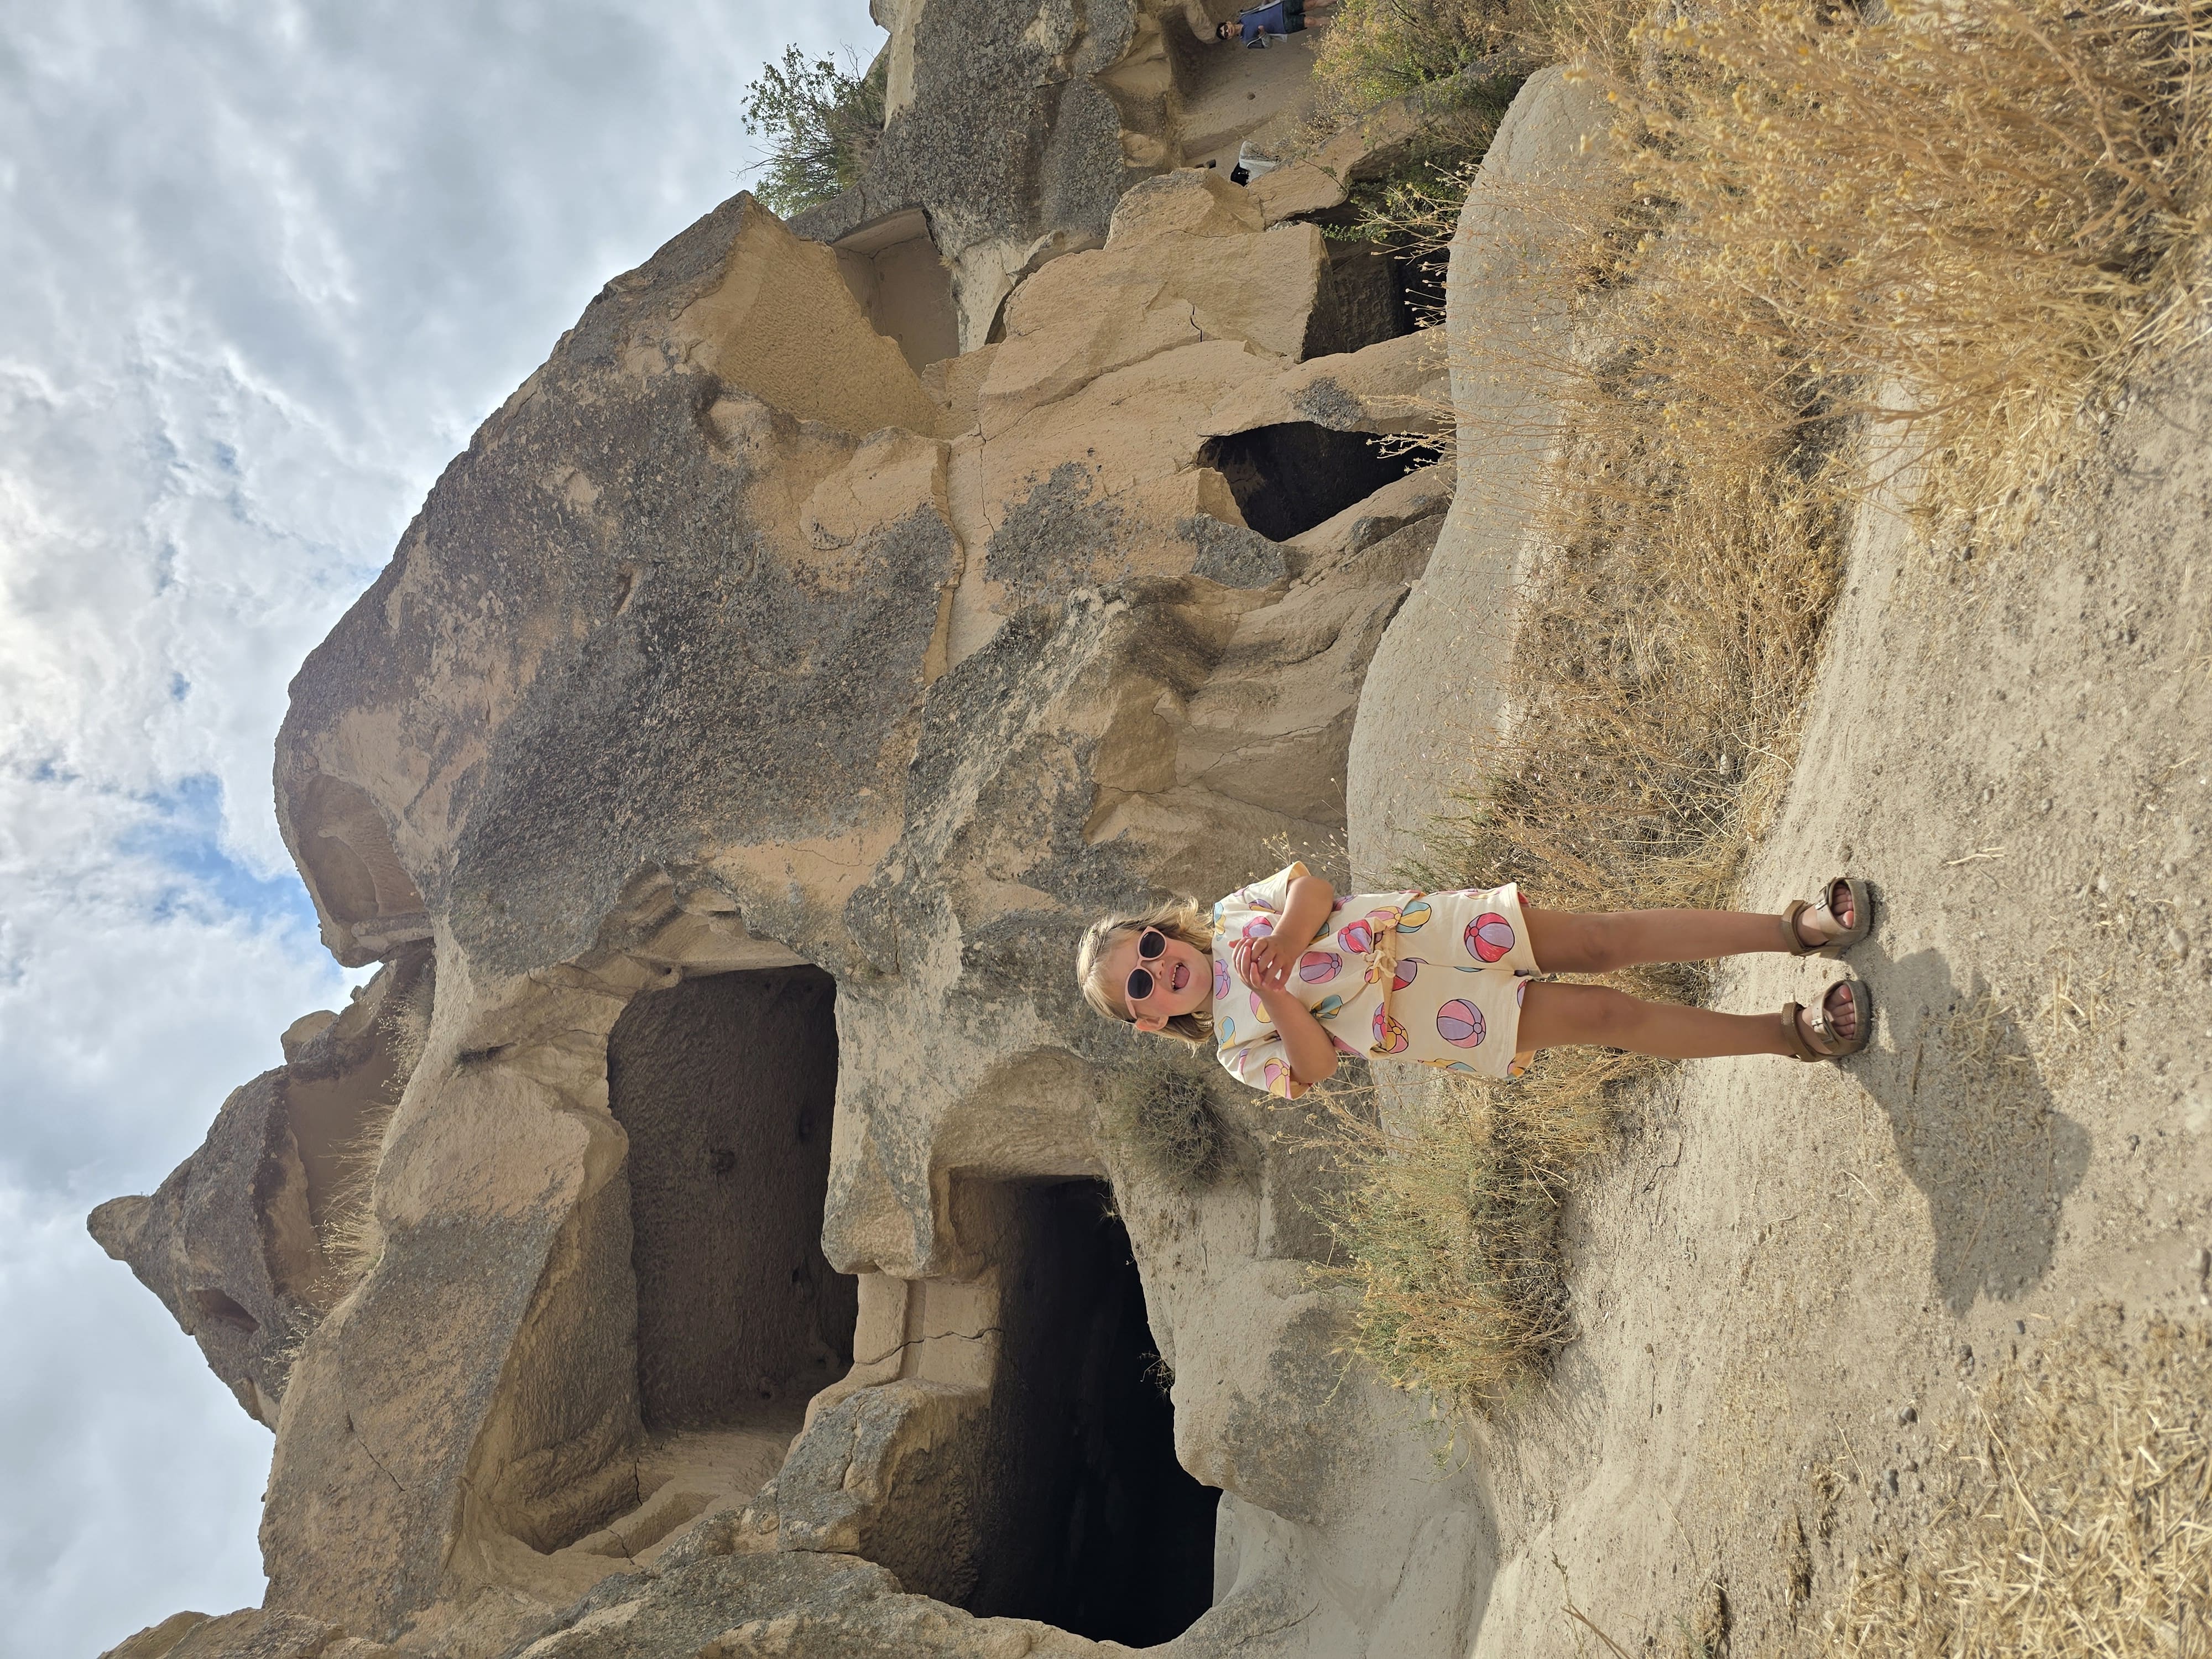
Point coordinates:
pixel 268 265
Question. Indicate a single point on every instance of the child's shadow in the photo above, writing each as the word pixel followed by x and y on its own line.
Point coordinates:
pixel 1977 1128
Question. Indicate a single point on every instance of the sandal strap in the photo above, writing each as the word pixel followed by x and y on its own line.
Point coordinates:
pixel 1794 1035
pixel 1793 941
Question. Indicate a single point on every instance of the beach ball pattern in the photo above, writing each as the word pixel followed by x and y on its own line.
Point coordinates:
pixel 1357 937
pixel 1390 1036
pixel 1327 1006
pixel 1260 928
pixel 1319 967
pixel 1414 917
pixel 1228 1029
pixel 1489 937
pixel 1221 980
pixel 1274 1071
pixel 1408 969
pixel 1521 994
pixel 1260 1009
pixel 1459 1023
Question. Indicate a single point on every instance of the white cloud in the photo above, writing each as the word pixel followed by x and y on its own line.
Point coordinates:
pixel 270 263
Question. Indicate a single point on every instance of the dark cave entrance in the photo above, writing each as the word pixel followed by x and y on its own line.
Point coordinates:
pixel 1288 478
pixel 1364 299
pixel 724 1086
pixel 1094 1525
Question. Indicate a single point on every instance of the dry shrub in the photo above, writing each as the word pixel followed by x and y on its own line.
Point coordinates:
pixel 1445 1231
pixel 2080 1522
pixel 352 1238
pixel 1971 219
pixel 1161 1114
pixel 1376 51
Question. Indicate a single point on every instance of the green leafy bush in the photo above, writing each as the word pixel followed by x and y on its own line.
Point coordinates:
pixel 820 123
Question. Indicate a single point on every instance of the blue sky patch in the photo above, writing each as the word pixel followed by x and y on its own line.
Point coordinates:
pixel 185 838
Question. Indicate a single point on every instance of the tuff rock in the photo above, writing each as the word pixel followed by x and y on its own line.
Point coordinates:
pixel 727 1258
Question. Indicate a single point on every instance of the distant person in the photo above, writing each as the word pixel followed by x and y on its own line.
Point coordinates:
pixel 1279 17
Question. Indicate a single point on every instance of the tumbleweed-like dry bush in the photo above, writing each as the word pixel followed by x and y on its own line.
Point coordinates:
pixel 2079 1519
pixel 1162 1117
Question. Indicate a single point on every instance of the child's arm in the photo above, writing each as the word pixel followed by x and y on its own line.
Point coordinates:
pixel 1311 1054
pixel 1270 960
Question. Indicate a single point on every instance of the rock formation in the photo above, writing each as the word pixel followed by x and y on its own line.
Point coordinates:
pixel 699 1238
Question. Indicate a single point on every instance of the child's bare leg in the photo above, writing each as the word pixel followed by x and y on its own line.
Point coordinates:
pixel 1599 942
pixel 1556 1016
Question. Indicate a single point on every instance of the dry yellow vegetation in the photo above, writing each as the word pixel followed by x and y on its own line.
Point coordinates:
pixel 1831 239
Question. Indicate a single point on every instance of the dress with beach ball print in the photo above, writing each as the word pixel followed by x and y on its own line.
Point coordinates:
pixel 1432 977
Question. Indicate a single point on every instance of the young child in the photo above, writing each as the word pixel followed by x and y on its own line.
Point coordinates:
pixel 1286 976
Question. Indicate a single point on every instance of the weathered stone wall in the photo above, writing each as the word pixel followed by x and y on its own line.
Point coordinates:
pixel 734 653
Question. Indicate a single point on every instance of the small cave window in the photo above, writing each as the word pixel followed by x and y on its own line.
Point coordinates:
pixel 724 1086
pixel 222 1307
pixel 1288 478
pixel 1095 1527
pixel 893 270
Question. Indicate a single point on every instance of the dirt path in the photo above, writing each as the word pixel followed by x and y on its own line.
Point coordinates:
pixel 1790 1267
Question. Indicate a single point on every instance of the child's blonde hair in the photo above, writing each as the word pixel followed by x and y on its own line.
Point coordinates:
pixel 1182 918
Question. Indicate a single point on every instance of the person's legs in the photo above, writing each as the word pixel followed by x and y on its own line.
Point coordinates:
pixel 1556 1016
pixel 1599 942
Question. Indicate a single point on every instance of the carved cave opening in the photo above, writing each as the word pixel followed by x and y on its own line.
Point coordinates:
pixel 893 270
pixel 1095 1527
pixel 1288 478
pixel 724 1086
pixel 1368 294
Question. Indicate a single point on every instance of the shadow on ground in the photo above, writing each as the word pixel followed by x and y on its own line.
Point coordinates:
pixel 1977 1129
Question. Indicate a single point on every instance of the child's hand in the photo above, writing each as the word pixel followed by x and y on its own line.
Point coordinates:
pixel 1264 963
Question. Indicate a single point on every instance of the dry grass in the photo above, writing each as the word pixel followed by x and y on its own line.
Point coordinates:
pixel 1829 238
pixel 1657 677
pixel 2079 1522
pixel 1444 1229
pixel 1970 221
pixel 351 1238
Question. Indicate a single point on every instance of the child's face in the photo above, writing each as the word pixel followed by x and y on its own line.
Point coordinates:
pixel 1182 978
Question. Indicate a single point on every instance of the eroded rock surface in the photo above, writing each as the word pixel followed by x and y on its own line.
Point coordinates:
pixel 744 733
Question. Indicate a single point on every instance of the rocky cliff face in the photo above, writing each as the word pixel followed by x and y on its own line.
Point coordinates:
pixel 727 1257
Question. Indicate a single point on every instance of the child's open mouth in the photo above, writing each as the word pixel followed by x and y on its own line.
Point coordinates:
pixel 1180 977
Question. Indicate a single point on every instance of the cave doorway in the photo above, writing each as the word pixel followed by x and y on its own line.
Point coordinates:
pixel 1094 1525
pixel 724 1086
pixel 1288 478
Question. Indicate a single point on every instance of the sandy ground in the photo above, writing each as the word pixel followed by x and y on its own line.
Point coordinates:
pixel 1792 1269
pixel 1242 88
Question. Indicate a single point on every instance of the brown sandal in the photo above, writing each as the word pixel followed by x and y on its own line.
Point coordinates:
pixel 1823 909
pixel 1823 1025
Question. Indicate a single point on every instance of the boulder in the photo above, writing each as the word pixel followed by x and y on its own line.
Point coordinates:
pixel 1435 694
pixel 248 1634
